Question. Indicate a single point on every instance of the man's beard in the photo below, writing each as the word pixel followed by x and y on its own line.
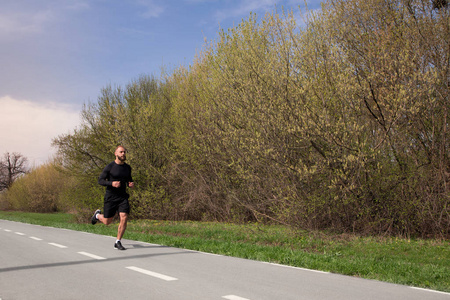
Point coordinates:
pixel 122 158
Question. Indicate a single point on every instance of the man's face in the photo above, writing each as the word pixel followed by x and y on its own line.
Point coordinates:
pixel 121 154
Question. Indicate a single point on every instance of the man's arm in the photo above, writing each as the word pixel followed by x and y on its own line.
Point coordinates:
pixel 130 180
pixel 103 179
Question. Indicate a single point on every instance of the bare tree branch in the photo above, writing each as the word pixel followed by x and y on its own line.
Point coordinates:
pixel 12 166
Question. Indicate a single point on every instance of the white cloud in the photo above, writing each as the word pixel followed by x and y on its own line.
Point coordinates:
pixel 244 8
pixel 78 6
pixel 151 10
pixel 28 128
pixel 24 22
pixel 37 17
pixel 254 5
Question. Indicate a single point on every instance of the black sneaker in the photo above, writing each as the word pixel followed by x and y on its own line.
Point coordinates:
pixel 94 219
pixel 118 246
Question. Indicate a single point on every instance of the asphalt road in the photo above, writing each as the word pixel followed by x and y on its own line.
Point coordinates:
pixel 39 262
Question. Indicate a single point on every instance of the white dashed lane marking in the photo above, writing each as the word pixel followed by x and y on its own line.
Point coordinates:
pixel 58 245
pixel 233 297
pixel 154 274
pixel 91 255
pixel 133 268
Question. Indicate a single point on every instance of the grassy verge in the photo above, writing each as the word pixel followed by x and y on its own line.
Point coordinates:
pixel 414 262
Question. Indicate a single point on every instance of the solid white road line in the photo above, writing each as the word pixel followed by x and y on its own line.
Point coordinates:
pixel 35 238
pixel 431 291
pixel 91 255
pixel 297 268
pixel 150 273
pixel 233 297
pixel 57 245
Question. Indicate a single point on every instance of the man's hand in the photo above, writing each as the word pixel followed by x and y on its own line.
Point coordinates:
pixel 116 184
pixel 131 184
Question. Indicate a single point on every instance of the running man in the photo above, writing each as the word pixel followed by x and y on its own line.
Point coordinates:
pixel 116 177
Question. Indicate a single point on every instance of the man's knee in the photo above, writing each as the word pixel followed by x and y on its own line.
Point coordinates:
pixel 123 217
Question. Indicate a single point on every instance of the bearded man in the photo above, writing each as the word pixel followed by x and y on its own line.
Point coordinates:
pixel 116 176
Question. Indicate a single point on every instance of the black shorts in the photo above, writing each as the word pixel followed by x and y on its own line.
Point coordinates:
pixel 115 203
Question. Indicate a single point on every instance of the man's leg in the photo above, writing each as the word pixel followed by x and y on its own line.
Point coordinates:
pixel 104 220
pixel 100 217
pixel 122 225
pixel 109 209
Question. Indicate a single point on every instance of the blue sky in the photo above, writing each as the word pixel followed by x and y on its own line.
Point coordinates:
pixel 56 55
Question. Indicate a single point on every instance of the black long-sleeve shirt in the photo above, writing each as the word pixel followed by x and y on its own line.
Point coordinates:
pixel 116 172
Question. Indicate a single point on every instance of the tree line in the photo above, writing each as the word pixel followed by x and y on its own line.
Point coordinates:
pixel 339 123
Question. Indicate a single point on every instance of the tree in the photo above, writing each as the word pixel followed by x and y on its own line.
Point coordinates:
pixel 11 167
pixel 136 116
